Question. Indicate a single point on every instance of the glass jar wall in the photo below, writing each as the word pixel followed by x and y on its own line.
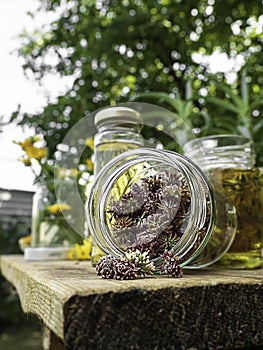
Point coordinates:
pixel 229 162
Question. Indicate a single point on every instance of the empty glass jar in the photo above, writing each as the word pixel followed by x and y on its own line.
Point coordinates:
pixel 52 218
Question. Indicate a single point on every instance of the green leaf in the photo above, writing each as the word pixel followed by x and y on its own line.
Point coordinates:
pixel 223 104
pixel 188 108
pixel 236 99
pixel 258 126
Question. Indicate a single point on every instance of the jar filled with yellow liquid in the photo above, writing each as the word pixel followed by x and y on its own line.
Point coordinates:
pixel 229 162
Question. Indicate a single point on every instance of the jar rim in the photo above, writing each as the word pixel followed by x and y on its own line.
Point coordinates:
pixel 117 115
pixel 226 141
pixel 223 150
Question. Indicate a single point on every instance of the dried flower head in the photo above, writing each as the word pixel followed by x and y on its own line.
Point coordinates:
pixel 105 266
pixel 141 261
pixel 170 265
pixel 125 270
pixel 133 264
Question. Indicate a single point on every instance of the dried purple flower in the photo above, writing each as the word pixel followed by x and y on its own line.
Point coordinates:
pixel 133 264
pixel 125 270
pixel 141 261
pixel 105 266
pixel 170 265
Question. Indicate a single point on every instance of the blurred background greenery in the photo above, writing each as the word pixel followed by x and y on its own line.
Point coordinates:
pixel 201 59
pixel 117 50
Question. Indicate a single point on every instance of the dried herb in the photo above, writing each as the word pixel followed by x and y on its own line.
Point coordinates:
pixel 130 266
pixel 170 265
pixel 134 264
pixel 152 214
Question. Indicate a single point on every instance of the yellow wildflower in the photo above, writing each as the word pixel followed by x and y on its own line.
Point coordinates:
pixel 81 251
pixel 28 142
pixel 27 145
pixel 25 242
pixel 35 152
pixel 90 142
pixel 90 164
pixel 26 161
pixel 58 208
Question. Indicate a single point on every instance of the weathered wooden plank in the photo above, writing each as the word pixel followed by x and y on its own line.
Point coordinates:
pixel 51 341
pixel 206 309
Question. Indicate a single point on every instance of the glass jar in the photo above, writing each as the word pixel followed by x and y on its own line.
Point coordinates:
pixel 118 131
pixel 51 217
pixel 229 162
pixel 155 200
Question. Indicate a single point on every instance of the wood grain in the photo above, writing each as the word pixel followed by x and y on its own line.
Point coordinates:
pixel 206 309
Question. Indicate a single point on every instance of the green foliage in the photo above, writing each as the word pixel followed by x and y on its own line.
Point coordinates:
pixel 11 229
pixel 241 114
pixel 231 113
pixel 116 50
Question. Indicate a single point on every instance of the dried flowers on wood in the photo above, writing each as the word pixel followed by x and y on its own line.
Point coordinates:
pixel 135 264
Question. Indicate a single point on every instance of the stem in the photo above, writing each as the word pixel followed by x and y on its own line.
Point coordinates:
pixel 188 89
pixel 244 87
pixel 245 97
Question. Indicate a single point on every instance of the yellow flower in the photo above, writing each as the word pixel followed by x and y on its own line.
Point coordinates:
pixel 90 164
pixel 58 208
pixel 27 145
pixel 25 242
pixel 35 152
pixel 26 161
pixel 81 251
pixel 90 142
pixel 28 142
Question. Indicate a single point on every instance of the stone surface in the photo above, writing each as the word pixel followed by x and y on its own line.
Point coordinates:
pixel 206 309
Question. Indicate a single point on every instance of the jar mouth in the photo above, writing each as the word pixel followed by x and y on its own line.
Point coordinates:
pixel 122 116
pixel 218 141
pixel 151 201
pixel 221 150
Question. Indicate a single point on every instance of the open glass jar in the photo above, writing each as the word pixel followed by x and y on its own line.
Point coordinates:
pixel 52 218
pixel 154 200
pixel 229 163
